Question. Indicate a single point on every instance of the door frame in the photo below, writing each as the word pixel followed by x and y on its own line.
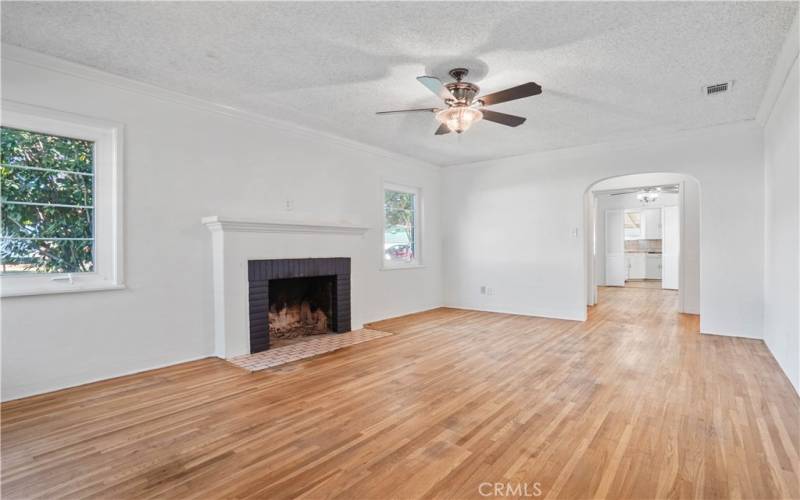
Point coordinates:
pixel 591 213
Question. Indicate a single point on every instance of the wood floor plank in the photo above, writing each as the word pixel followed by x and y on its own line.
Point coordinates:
pixel 633 403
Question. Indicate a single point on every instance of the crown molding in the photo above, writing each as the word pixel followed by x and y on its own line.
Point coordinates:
pixel 572 152
pixel 216 223
pixel 783 66
pixel 32 58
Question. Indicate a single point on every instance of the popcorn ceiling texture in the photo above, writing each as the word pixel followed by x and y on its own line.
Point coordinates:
pixel 609 70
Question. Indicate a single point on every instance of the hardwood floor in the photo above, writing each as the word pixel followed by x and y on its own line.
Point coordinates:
pixel 633 403
pixel 643 283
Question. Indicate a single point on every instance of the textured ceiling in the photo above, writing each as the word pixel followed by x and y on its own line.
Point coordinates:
pixel 609 70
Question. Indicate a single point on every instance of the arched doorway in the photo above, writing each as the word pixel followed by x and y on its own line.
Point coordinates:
pixel 633 201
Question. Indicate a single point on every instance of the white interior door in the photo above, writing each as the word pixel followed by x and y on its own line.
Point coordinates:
pixel 615 248
pixel 670 247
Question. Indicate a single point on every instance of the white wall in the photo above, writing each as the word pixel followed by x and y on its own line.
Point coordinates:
pixel 510 224
pixel 182 162
pixel 782 226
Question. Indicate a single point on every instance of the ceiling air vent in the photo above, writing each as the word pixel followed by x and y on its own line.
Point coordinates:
pixel 717 88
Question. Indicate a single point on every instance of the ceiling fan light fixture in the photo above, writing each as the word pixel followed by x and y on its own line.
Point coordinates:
pixel 459 118
pixel 647 197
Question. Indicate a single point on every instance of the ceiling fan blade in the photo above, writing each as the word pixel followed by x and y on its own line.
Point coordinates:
pixel 430 110
pixel 435 85
pixel 502 118
pixel 518 92
pixel 442 130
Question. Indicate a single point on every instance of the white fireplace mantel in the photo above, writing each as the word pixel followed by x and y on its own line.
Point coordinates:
pixel 236 241
pixel 218 223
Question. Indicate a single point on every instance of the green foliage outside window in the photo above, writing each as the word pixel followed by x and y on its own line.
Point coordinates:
pixel 46 193
pixel 400 220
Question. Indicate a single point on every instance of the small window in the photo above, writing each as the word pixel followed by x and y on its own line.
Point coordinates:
pixel 633 224
pixel 401 243
pixel 60 202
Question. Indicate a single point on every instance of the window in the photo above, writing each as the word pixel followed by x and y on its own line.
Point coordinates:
pixel 59 202
pixel 633 224
pixel 401 242
pixel 47 203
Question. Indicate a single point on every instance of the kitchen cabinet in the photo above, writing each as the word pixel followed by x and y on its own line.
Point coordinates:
pixel 653 266
pixel 651 228
pixel 637 266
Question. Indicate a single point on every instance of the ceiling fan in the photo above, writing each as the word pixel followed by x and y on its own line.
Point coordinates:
pixel 462 108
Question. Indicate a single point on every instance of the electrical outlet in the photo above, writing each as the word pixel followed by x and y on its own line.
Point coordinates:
pixel 289 205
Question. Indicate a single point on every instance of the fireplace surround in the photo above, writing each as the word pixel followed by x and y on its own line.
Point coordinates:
pixel 235 241
pixel 261 272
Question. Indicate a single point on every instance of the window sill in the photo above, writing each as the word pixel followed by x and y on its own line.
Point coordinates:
pixel 50 290
pixel 400 268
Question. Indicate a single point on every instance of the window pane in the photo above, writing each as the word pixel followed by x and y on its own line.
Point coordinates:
pixel 25 221
pixel 38 172
pixel 633 220
pixel 46 256
pixel 62 188
pixel 400 224
pixel 397 199
pixel 22 147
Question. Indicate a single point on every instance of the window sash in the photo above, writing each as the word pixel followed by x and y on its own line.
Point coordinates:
pixel 38 204
pixel 44 169
pixel 413 227
pixel 107 236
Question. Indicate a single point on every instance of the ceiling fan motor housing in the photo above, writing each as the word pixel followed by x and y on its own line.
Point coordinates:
pixel 464 92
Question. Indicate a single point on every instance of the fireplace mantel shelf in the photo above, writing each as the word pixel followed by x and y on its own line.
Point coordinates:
pixel 226 224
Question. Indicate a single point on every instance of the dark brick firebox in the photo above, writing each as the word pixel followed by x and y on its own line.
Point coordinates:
pixel 259 272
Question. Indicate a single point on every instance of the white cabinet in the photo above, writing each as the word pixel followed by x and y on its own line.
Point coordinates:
pixel 616 265
pixel 637 266
pixel 671 248
pixel 651 227
pixel 653 267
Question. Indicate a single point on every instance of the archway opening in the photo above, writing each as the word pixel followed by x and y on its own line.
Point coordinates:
pixel 643 231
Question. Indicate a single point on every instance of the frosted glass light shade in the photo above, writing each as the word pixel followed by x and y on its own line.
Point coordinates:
pixel 459 118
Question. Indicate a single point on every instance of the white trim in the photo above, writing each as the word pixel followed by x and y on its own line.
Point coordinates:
pixel 67 288
pixel 216 223
pixel 26 391
pixel 783 66
pixel 402 267
pixel 37 59
pixel 108 271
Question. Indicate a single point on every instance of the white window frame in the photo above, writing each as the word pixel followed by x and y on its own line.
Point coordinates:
pixel 417 192
pixel 107 271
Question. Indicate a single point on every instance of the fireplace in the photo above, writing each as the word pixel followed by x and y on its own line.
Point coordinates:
pixel 292 298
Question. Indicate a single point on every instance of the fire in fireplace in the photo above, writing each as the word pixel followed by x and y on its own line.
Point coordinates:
pixel 300 306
